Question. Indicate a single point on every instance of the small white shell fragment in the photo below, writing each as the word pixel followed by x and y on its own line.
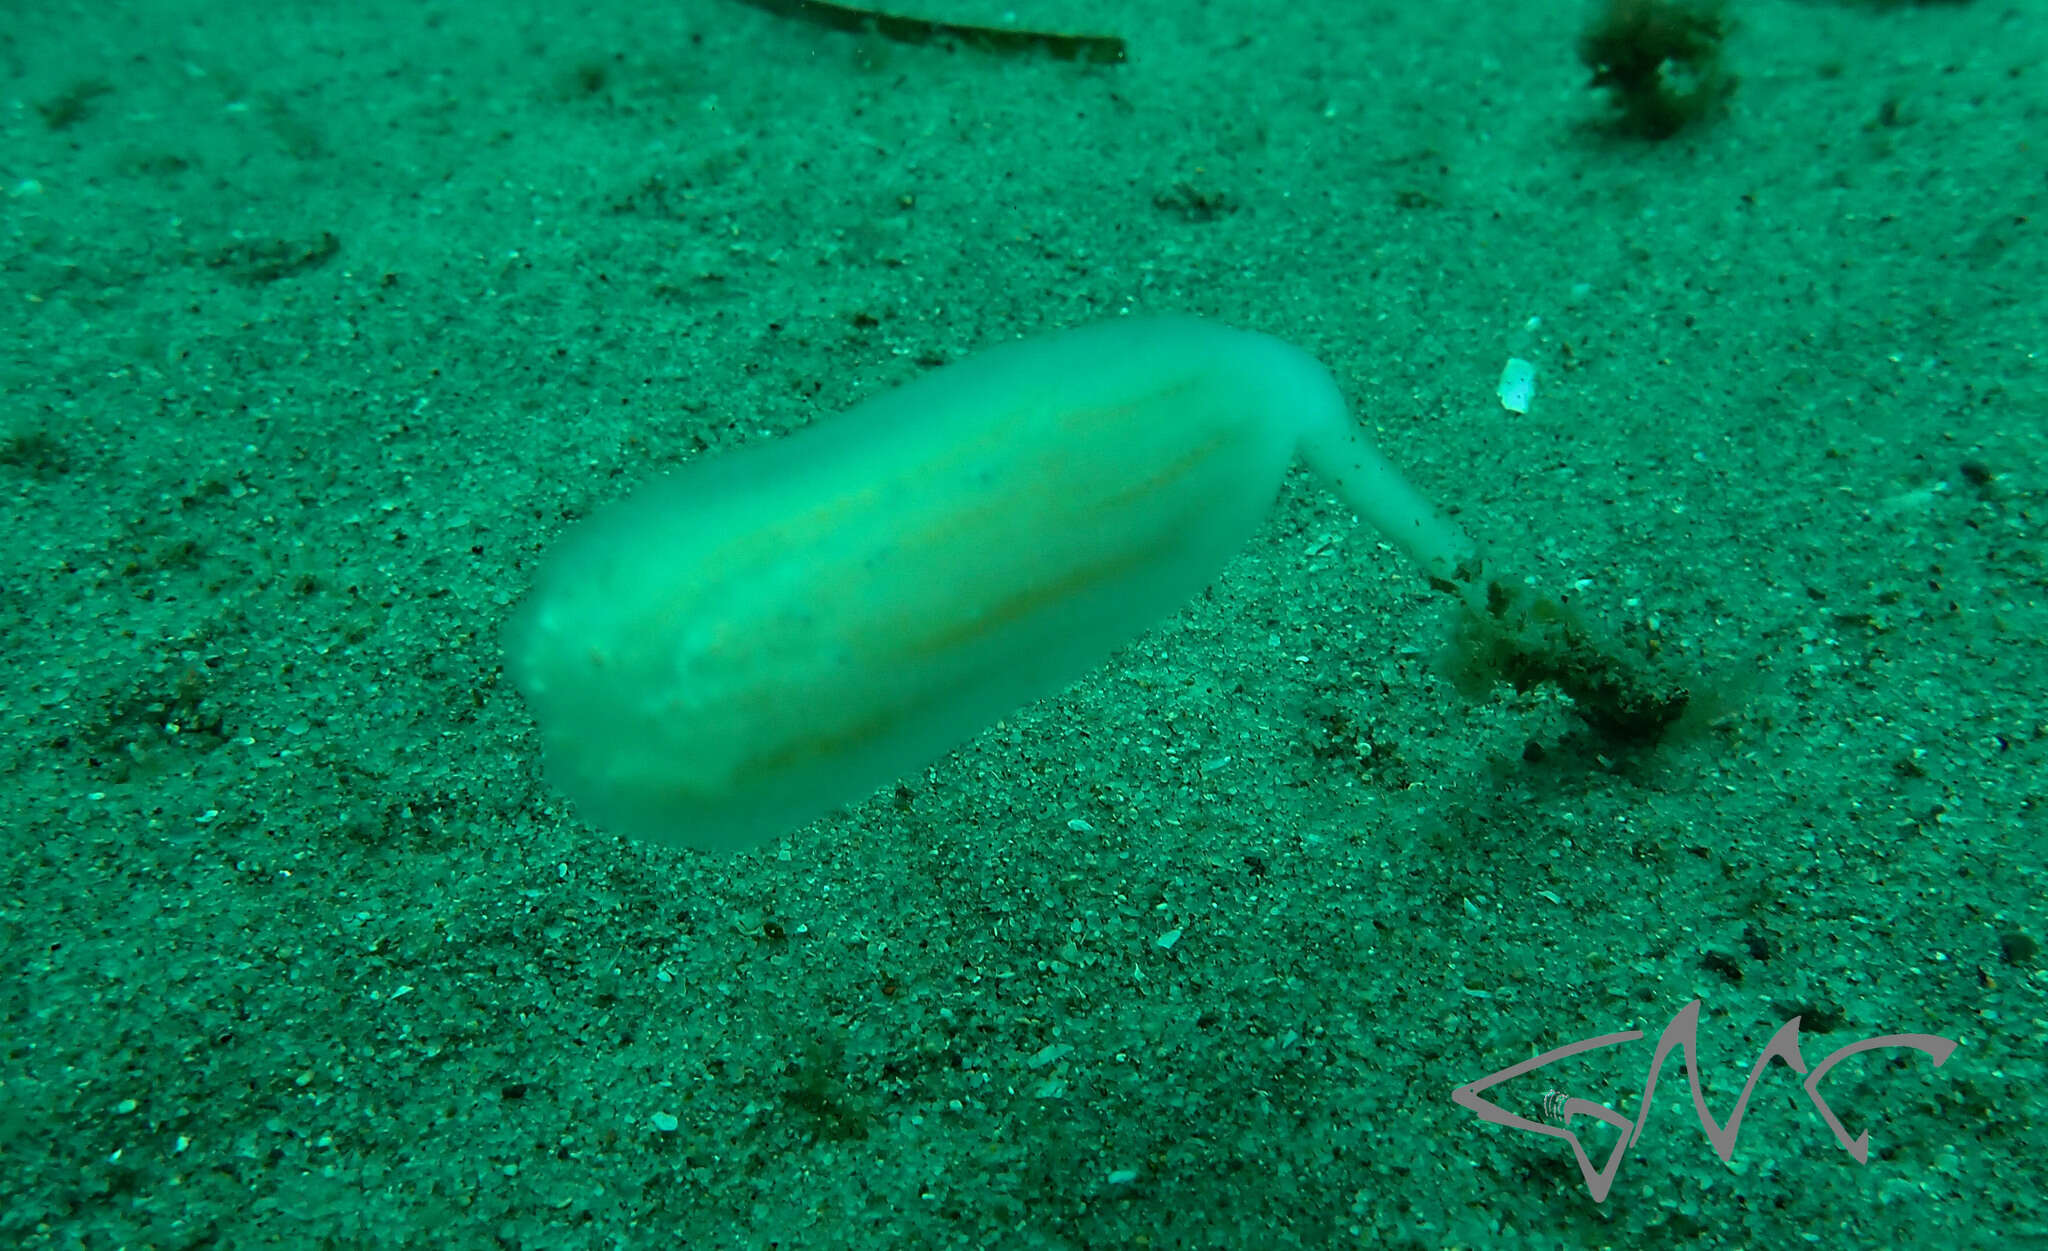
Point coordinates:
pixel 1047 1054
pixel 1517 385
